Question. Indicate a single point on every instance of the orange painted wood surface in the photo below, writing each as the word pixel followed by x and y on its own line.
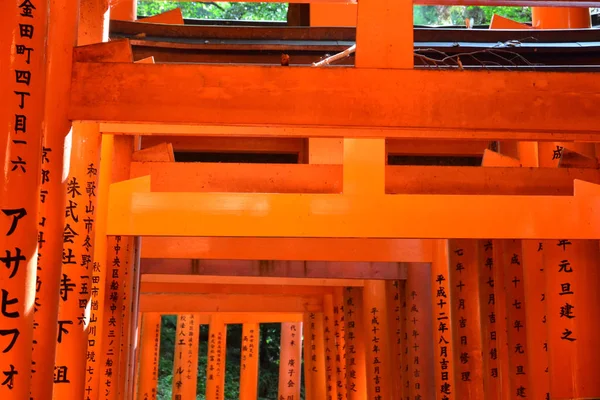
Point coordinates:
pixel 185 361
pixel 534 279
pixel 466 329
pixel 147 384
pixel 314 340
pixel 329 347
pixel 339 328
pixel 500 333
pixel 313 97
pixel 394 327
pixel 168 17
pixel 215 370
pixel 356 378
pixel 290 361
pixel 249 361
pixel 419 329
pixel 571 286
pixel 491 323
pixel 445 370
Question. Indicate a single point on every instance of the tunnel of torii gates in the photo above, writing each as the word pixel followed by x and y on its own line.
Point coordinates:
pixel 390 281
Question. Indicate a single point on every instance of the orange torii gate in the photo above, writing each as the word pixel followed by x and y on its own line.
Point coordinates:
pixel 356 210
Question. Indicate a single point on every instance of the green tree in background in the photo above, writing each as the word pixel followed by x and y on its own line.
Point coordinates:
pixel 423 15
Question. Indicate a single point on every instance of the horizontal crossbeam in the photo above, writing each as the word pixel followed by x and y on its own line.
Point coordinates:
pixel 133 210
pixel 339 102
pixel 221 284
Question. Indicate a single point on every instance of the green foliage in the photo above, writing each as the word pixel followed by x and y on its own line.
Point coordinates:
pixel 234 11
pixel 456 15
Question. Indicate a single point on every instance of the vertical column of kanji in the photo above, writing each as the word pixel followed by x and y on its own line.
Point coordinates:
pixel 185 362
pixel 249 362
pixel 317 355
pixel 489 323
pixel 62 34
pixel 130 316
pixel 406 370
pixel 500 335
pixel 377 343
pixel 307 356
pixel 464 286
pixel 515 304
pixel 534 280
pixel 340 342
pixel 76 310
pixel 23 27
pixel 124 308
pixel 217 336
pixel 329 345
pixel 290 361
pixel 394 318
pixel 356 378
pixel 573 275
pixel 149 356
pixel 444 367
pixel 420 333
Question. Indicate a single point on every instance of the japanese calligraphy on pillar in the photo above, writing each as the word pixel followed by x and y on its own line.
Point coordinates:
pixel 329 345
pixel 340 342
pixel 249 362
pixel 489 324
pixel 185 363
pixel 22 70
pixel 534 280
pixel 355 351
pixel 464 279
pixel 216 360
pixel 290 365
pixel 515 304
pixel 395 332
pixel 112 328
pixel 149 356
pixel 420 332
pixel 442 324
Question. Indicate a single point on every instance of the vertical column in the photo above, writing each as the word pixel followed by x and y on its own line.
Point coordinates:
pixel 290 364
pixel 377 351
pixel 125 306
pixel 489 320
pixel 149 356
pixel 185 361
pixel 77 306
pixel 215 374
pixel 443 365
pixel 515 305
pixel 356 381
pixel 534 280
pixel 22 70
pixel 317 355
pixel 464 285
pixel 340 342
pixel 62 33
pixel 249 362
pixel 500 335
pixel 406 371
pixel 395 333
pixel 329 342
pixel 420 334
pixel 573 275
pixel 306 355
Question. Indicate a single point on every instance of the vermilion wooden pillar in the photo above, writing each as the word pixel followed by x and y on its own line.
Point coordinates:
pixel 215 370
pixel 443 321
pixel 185 361
pixel 22 77
pixel 419 327
pixel 356 382
pixel 307 356
pixel 329 346
pixel 464 286
pixel 490 323
pixel 395 332
pixel 377 348
pixel 340 342
pixel 500 334
pixel 249 361
pixel 149 356
pixel 534 279
pixel 512 263
pixel 124 10
pixel 572 278
pixel 290 361
pixel 313 334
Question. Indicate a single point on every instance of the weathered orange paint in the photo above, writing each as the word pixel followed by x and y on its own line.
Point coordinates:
pixel 149 345
pixel 499 332
pixel 466 326
pixel 534 279
pixel 419 328
pixel 290 361
pixel 443 321
pixel 124 10
pixel 572 277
